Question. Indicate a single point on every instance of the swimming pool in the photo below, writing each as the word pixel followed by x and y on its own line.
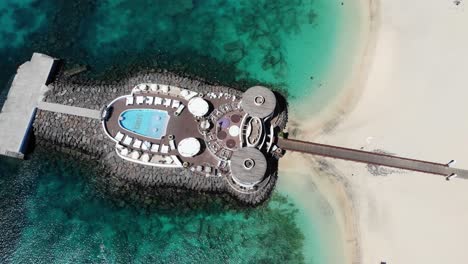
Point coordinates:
pixel 150 123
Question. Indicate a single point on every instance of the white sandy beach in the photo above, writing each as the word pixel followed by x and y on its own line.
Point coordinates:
pixel 407 96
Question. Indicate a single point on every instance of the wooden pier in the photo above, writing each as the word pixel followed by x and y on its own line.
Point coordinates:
pixel 18 112
pixel 370 158
pixel 69 110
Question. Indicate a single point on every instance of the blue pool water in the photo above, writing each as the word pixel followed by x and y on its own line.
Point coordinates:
pixel 146 122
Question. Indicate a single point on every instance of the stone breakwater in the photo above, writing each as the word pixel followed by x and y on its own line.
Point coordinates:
pixel 85 138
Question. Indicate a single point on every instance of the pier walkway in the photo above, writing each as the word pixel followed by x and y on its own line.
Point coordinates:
pixel 370 158
pixel 16 116
pixel 69 110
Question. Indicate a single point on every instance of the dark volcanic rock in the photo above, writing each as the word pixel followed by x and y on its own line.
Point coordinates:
pixel 84 138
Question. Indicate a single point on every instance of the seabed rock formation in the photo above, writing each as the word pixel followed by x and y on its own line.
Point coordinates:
pixel 85 139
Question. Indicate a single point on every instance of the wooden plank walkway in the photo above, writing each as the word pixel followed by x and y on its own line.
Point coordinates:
pixel 18 112
pixel 370 158
pixel 69 110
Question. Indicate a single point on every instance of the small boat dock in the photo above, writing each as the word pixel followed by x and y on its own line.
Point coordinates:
pixel 18 112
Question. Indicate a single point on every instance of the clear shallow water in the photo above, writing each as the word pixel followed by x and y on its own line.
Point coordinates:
pixel 50 211
pixel 323 236
pixel 286 44
pixel 55 215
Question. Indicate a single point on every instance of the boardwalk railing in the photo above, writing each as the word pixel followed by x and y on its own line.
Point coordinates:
pixel 370 157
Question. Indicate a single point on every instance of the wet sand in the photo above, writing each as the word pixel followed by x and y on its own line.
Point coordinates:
pixel 311 118
pixel 411 103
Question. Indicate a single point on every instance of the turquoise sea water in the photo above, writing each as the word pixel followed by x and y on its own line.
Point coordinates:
pixel 146 122
pixel 286 44
pixel 52 213
pixel 50 208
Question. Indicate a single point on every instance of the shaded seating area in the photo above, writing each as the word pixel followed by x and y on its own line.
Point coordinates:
pixel 147 158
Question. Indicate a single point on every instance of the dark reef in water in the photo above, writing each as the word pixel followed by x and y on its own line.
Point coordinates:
pixel 55 207
pixel 85 138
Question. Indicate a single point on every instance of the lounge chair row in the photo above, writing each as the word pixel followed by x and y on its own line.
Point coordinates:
pixel 144 87
pixel 150 100
pixel 145 145
pixel 208 170
pixel 221 95
pixel 150 158
pixel 176 91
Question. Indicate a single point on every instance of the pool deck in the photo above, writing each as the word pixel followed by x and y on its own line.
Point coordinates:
pixel 17 115
pixel 180 127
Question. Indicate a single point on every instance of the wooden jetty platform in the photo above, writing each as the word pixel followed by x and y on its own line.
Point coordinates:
pixel 370 158
pixel 69 110
pixel 18 112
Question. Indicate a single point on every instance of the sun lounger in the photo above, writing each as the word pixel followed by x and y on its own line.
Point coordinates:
pixel 135 155
pixel 154 87
pixel 127 141
pixel 129 100
pixel 137 143
pixel 179 109
pixel 143 87
pixel 168 160
pixel 164 88
pixel 164 149
pixel 149 100
pixel 119 146
pixel 157 159
pixel 157 101
pixel 167 102
pixel 145 157
pixel 187 95
pixel 140 100
pixel 146 145
pixel 155 148
pixel 136 90
pixel 175 103
pixel 184 93
pixel 124 151
pixel 119 136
